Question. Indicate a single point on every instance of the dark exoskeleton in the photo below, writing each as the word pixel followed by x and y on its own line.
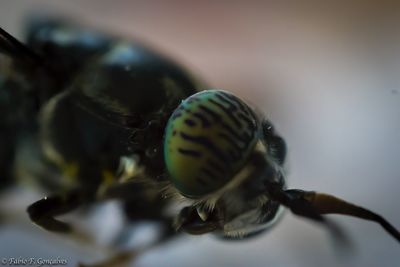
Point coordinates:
pixel 82 102
pixel 82 113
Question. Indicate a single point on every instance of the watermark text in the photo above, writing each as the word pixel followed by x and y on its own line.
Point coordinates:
pixel 37 262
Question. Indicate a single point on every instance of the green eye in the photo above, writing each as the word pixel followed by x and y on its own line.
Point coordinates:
pixel 208 139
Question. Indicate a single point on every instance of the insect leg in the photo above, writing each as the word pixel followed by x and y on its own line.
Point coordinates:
pixel 118 260
pixel 126 258
pixel 43 211
pixel 190 222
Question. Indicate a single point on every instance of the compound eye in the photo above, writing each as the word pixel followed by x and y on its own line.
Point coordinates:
pixel 208 139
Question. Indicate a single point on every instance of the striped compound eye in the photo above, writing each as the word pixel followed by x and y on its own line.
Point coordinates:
pixel 207 141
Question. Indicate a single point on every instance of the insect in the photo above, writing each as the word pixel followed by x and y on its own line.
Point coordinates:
pixel 92 117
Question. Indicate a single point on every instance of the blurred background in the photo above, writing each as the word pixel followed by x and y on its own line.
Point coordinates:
pixel 326 74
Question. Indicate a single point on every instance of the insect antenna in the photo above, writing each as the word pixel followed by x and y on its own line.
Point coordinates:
pixel 313 205
pixel 328 204
pixel 10 46
pixel 300 206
